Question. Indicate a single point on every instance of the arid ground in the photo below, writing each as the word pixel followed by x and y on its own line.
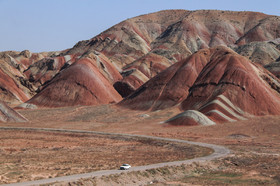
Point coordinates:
pixel 255 147
pixel 32 155
pixel 221 68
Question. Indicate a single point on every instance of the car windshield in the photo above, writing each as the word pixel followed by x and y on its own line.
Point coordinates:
pixel 125 165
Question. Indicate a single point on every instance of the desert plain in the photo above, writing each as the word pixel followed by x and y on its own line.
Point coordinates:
pixel 30 155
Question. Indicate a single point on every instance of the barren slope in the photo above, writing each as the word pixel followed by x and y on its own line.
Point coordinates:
pixel 141 47
pixel 15 88
pixel 169 87
pixel 264 53
pixel 217 82
pixel 83 83
pixel 150 43
pixel 232 88
pixel 7 114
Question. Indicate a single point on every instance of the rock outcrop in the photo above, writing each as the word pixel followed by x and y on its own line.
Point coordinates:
pixel 264 53
pixel 169 87
pixel 231 88
pixel 136 50
pixel 15 88
pixel 7 114
pixel 274 68
pixel 45 69
pixel 82 83
pixel 217 82
pixel 138 72
pixel 189 118
pixel 150 43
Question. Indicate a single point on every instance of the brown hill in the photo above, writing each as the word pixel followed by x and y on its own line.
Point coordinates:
pixel 82 83
pixel 7 114
pixel 166 37
pixel 141 47
pixel 15 88
pixel 264 53
pixel 217 83
pixel 45 69
pixel 174 33
pixel 169 87
pixel 138 72
pixel 232 88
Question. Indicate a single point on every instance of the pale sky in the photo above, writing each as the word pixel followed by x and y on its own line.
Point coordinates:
pixel 50 25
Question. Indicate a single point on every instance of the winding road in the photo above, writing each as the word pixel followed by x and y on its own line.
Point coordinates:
pixel 219 151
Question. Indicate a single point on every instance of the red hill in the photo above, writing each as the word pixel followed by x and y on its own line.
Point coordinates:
pixel 15 88
pixel 217 82
pixel 150 43
pixel 231 88
pixel 141 47
pixel 171 86
pixel 80 84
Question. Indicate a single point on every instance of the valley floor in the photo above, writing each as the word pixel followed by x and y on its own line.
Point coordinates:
pixel 255 144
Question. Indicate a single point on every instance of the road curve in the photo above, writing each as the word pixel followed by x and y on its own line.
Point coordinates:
pixel 219 151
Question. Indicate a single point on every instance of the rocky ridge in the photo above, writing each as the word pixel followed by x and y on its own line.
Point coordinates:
pixel 135 52
pixel 217 83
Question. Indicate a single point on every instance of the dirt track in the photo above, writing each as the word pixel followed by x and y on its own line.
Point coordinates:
pixel 219 151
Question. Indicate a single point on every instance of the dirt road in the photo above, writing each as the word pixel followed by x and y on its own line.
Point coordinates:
pixel 219 151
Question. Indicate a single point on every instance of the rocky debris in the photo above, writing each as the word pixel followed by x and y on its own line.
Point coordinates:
pixel 7 114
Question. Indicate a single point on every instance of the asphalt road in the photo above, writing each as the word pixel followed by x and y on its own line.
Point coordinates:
pixel 219 151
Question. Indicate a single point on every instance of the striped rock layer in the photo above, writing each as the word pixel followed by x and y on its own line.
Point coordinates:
pixel 143 46
pixel 88 81
pixel 129 54
pixel 7 114
pixel 217 82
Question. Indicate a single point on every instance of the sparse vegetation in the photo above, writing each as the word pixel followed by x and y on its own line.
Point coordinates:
pixel 254 144
pixel 52 154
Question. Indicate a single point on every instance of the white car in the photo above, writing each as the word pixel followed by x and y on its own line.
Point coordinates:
pixel 125 167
